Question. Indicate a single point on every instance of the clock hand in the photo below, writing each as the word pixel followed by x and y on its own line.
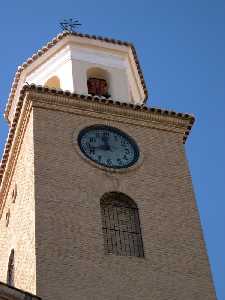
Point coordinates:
pixel 102 147
pixel 105 140
pixel 105 146
pixel 92 148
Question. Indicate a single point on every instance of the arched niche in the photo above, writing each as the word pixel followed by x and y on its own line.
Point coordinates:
pixel 53 82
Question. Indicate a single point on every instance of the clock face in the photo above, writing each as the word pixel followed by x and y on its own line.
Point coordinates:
pixel 108 146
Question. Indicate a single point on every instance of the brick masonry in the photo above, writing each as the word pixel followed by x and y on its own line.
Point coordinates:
pixel 20 233
pixel 55 223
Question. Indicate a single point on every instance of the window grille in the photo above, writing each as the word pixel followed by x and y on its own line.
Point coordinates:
pixel 10 273
pixel 121 225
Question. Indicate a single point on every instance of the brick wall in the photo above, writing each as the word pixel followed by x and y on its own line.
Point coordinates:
pixel 69 242
pixel 20 232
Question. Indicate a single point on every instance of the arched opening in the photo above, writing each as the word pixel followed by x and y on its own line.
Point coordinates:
pixel 98 82
pixel 7 217
pixel 10 272
pixel 14 193
pixel 121 225
pixel 53 82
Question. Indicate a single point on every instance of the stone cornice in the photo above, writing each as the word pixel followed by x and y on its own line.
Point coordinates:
pixel 38 96
pixel 107 109
pixel 148 116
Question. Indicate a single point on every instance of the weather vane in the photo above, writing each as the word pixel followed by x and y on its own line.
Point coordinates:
pixel 69 25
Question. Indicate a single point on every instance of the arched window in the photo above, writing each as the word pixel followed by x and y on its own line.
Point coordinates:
pixel 121 225
pixel 10 273
pixel 53 82
pixel 98 82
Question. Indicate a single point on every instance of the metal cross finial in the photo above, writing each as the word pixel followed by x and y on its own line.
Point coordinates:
pixel 69 25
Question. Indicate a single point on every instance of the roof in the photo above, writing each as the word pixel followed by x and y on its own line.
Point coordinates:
pixel 156 111
pixel 52 43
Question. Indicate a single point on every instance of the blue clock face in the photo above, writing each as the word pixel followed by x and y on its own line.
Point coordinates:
pixel 108 146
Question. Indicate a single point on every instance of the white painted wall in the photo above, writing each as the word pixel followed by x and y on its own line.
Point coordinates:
pixel 72 57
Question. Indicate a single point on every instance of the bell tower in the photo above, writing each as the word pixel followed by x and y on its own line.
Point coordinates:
pixel 78 63
pixel 96 198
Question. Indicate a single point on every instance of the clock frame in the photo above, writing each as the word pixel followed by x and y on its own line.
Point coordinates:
pixel 108 147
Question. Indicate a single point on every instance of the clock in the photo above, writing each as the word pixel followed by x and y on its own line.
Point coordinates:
pixel 108 146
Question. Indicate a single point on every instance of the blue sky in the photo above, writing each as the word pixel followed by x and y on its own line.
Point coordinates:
pixel 181 46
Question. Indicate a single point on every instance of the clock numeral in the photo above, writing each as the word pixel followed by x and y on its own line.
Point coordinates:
pixel 109 162
pixel 105 133
pixel 119 161
pixel 99 158
pixel 123 143
pixel 125 157
pixel 115 137
pixel 92 151
pixel 88 146
pixel 127 151
pixel 92 140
